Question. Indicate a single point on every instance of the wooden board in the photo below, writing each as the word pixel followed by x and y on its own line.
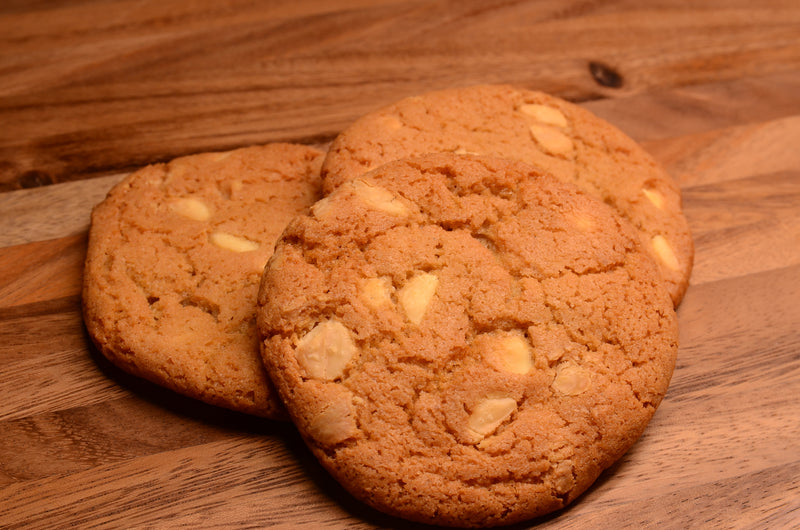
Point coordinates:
pixel 82 443
pixel 92 88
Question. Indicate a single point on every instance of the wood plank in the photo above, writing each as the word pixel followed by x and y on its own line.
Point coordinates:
pixel 41 271
pixel 744 226
pixel 51 212
pixel 688 111
pixel 32 330
pixel 58 379
pixel 730 153
pixel 84 437
pixel 707 505
pixel 715 316
pixel 240 76
pixel 210 485
pixel 741 148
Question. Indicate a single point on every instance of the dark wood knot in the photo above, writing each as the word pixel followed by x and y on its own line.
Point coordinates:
pixel 34 179
pixel 605 75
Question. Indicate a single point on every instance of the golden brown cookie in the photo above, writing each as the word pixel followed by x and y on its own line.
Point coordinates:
pixel 563 139
pixel 175 256
pixel 465 341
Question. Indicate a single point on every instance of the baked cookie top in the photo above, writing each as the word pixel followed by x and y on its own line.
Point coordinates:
pixel 464 340
pixel 174 261
pixel 559 137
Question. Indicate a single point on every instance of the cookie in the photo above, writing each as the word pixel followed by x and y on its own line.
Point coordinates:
pixel 174 260
pixel 559 137
pixel 465 341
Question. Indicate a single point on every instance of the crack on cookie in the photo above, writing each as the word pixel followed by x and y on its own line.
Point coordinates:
pixel 487 241
pixel 501 323
pixel 332 176
pixel 508 476
pixel 136 278
pixel 304 319
pixel 203 304
pixel 595 270
pixel 555 314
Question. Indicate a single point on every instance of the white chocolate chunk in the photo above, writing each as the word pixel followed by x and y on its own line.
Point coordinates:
pixel 191 208
pixel 235 187
pixel 218 157
pixel 416 295
pixel 259 264
pixel 233 243
pixel 392 123
pixel 278 259
pixel 321 208
pixel 512 354
pixel 325 351
pixel 665 253
pixel 572 380
pixel 462 151
pixel 487 415
pixel 582 221
pixel 376 292
pixel 654 197
pixel 517 355
pixel 379 198
pixel 544 114
pixel 551 140
pixel 333 425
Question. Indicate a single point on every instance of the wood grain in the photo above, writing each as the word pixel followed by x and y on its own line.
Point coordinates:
pixel 51 212
pixel 94 89
pixel 42 271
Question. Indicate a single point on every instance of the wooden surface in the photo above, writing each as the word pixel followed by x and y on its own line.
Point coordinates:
pixel 90 90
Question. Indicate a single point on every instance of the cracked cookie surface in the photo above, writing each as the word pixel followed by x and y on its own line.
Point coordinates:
pixel 562 138
pixel 175 256
pixel 463 340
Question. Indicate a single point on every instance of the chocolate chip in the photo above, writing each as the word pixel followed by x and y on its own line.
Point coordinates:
pixel 605 75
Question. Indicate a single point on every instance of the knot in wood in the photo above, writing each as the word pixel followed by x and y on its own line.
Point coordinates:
pixel 605 75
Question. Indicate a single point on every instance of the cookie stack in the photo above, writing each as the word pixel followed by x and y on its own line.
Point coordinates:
pixel 468 313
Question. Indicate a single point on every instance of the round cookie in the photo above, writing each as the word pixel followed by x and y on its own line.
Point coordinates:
pixel 465 341
pixel 174 260
pixel 563 139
